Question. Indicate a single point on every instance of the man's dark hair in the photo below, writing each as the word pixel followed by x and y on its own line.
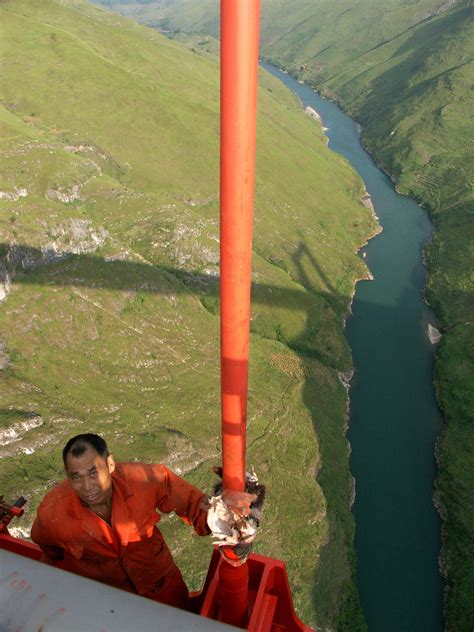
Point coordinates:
pixel 79 444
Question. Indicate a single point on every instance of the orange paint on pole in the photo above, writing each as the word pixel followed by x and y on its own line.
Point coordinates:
pixel 239 71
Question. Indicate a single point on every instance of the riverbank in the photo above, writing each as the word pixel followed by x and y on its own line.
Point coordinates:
pixel 336 481
pixel 443 191
pixel 438 174
pixel 372 304
pixel 413 99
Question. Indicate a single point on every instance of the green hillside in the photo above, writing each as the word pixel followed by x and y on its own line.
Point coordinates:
pixel 412 93
pixel 404 69
pixel 109 283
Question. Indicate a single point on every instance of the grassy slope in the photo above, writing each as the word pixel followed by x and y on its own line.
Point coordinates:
pixel 112 130
pixel 404 69
pixel 413 96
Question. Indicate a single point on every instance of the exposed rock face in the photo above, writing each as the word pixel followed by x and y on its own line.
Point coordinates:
pixel 18 430
pixel 434 334
pixel 4 357
pixel 65 196
pixel 346 378
pixel 73 236
pixel 312 113
pixel 77 236
pixel 444 7
pixel 5 275
pixel 367 202
pixel 15 195
pixel 5 282
pixel 19 532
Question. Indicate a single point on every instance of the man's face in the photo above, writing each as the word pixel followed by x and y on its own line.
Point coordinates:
pixel 90 476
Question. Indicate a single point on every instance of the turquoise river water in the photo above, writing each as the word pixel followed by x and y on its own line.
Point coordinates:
pixel 394 418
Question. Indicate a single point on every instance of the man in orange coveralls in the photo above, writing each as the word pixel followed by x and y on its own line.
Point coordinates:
pixel 101 521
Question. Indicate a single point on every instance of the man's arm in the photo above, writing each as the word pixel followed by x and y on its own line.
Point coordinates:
pixel 173 493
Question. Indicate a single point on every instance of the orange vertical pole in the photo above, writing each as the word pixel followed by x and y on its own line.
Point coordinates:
pixel 239 72
pixel 239 69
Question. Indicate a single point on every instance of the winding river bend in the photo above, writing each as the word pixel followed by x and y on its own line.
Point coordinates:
pixel 394 418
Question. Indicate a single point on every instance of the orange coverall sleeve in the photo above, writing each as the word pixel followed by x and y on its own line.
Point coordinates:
pixel 173 493
pixel 42 536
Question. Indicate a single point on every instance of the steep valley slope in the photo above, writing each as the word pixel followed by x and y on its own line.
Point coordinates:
pixel 109 283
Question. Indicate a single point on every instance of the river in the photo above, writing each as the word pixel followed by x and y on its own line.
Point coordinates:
pixel 394 417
